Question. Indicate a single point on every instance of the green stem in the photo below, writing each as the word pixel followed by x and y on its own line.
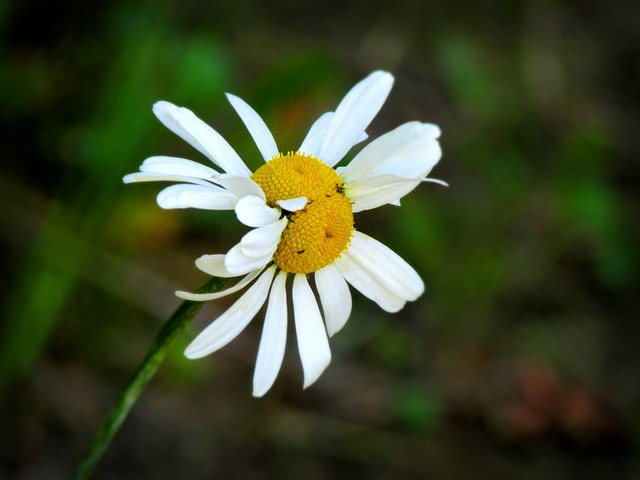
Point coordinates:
pixel 158 351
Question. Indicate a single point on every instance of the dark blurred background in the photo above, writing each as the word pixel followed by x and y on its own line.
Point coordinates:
pixel 522 358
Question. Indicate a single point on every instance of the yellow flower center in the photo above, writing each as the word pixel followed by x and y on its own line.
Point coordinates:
pixel 319 233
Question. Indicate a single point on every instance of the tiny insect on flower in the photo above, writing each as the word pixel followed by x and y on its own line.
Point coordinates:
pixel 301 211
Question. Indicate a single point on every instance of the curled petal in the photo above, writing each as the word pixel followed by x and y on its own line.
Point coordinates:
pixel 377 191
pixel 214 265
pixel 205 297
pixel 254 212
pixel 228 325
pixel 237 263
pixel 196 196
pixel 263 241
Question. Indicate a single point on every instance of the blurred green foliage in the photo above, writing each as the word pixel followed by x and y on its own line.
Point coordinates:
pixel 520 360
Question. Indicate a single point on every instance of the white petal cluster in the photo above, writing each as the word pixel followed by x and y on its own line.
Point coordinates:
pixel 381 173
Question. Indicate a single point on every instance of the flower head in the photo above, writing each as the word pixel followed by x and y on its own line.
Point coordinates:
pixel 301 211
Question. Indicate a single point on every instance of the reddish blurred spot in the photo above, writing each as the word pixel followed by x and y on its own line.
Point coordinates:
pixel 546 405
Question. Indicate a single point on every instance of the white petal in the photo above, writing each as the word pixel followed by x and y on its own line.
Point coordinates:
pixel 169 115
pixel 263 241
pixel 177 166
pixel 196 196
pixel 207 200
pixel 274 338
pixel 362 281
pixel 256 126
pixel 238 263
pixel 227 327
pixel 239 186
pixel 376 191
pixel 156 177
pixel 386 266
pixel 313 343
pixel 335 297
pixel 432 131
pixel 201 136
pixel 214 265
pixel 411 151
pixel 253 212
pixel 353 116
pixel 293 204
pixel 204 297
pixel 361 138
pixel 313 140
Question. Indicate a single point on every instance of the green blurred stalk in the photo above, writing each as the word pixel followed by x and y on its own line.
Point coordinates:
pixel 156 354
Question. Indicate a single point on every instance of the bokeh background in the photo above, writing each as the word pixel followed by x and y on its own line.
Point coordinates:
pixel 522 358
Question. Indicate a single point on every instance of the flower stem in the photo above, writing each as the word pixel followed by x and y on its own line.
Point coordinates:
pixel 157 352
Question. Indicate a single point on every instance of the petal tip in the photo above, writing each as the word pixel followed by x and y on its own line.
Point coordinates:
pixel 383 77
pixel 191 353
pixel 293 204
pixel 381 73
pixel 259 391
pixel 162 105
pixel 433 129
pixel 320 368
pixel 183 295
pixel 331 330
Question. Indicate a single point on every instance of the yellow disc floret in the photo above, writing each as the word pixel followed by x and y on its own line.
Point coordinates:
pixel 319 233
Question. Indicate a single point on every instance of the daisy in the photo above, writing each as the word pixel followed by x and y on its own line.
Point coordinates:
pixel 301 211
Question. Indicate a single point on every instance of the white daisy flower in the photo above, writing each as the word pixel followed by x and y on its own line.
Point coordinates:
pixel 301 211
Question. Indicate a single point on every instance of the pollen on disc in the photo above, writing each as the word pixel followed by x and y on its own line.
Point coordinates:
pixel 319 233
